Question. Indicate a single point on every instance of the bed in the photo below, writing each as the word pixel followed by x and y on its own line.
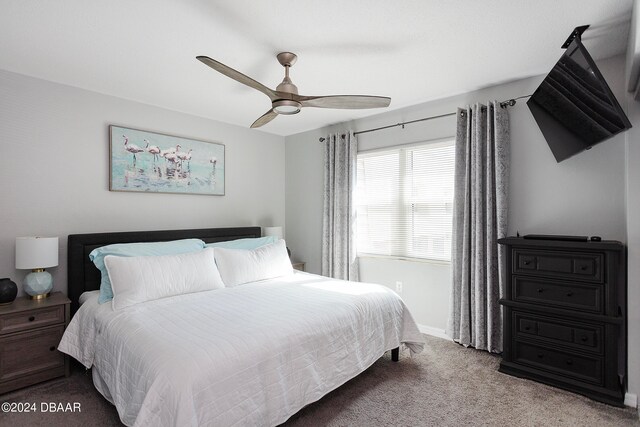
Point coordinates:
pixel 249 355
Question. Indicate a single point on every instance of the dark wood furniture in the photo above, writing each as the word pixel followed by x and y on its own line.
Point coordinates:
pixel 565 315
pixel 300 266
pixel 30 331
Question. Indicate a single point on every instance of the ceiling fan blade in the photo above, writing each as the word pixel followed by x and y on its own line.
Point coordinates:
pixel 237 76
pixel 264 119
pixel 345 101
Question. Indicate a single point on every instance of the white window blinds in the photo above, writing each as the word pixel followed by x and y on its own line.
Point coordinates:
pixel 404 199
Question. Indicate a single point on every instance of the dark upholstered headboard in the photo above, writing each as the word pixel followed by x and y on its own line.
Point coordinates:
pixel 84 276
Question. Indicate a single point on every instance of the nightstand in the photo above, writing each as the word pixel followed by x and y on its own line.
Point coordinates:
pixel 299 265
pixel 30 331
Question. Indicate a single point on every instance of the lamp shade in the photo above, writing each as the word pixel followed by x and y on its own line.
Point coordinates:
pixel 272 231
pixel 36 252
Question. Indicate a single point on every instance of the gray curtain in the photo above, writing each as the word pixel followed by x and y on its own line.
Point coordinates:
pixel 479 219
pixel 338 222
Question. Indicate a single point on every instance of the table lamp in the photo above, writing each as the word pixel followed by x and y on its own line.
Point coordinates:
pixel 272 231
pixel 36 254
pixel 275 231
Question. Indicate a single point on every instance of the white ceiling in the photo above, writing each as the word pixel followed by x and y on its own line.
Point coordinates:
pixel 411 50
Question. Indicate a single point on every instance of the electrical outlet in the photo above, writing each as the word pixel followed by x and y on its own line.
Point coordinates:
pixel 399 287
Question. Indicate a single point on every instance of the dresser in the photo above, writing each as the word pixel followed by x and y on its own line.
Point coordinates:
pixel 565 315
pixel 30 331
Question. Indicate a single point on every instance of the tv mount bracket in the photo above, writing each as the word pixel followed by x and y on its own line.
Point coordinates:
pixel 577 32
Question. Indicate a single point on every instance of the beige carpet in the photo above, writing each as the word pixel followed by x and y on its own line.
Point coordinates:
pixel 446 385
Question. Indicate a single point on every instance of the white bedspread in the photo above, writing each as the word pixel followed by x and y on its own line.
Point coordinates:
pixel 250 355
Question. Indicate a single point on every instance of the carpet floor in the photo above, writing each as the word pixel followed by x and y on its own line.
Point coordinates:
pixel 446 385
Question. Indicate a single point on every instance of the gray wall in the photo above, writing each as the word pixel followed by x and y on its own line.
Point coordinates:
pixel 54 173
pixel 633 245
pixel 582 195
pixel 633 204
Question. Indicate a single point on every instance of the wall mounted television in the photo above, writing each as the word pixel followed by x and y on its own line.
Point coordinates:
pixel 574 106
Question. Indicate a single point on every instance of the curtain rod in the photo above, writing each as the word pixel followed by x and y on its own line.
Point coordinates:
pixel 503 104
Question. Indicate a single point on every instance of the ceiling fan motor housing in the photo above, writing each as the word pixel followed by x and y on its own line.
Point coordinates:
pixel 287 86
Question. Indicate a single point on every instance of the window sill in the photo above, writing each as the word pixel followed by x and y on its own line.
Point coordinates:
pixel 407 259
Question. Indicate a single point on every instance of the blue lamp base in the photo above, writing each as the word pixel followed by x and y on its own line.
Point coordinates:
pixel 38 284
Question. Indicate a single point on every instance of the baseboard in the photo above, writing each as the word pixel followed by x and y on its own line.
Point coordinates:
pixel 435 332
pixel 631 400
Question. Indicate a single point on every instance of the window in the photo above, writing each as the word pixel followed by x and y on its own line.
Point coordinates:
pixel 404 201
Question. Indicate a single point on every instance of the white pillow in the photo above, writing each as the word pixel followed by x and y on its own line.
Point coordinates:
pixel 146 278
pixel 238 266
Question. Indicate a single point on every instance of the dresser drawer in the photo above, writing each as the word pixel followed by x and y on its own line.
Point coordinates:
pixel 577 335
pixel 581 367
pixel 31 352
pixel 571 295
pixel 561 264
pixel 24 320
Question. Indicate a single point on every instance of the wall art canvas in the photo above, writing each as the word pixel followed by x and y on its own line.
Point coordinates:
pixel 153 162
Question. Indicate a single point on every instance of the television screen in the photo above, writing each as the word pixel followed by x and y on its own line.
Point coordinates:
pixel 574 107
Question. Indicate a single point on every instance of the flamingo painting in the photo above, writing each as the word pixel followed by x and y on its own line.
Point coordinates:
pixel 169 164
pixel 170 154
pixel 184 157
pixel 170 157
pixel 152 149
pixel 131 148
pixel 169 150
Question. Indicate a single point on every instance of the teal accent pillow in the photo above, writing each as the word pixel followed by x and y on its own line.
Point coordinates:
pixel 137 249
pixel 244 243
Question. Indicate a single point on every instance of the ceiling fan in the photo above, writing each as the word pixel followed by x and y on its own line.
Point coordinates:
pixel 285 99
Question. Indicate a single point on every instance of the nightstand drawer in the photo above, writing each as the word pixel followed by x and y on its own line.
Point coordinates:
pixel 561 264
pixel 29 353
pixel 570 295
pixel 24 320
pixel 581 367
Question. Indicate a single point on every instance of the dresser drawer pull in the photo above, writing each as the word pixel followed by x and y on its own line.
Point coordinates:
pixel 540 355
pixel 569 362
pixel 583 268
pixel 540 290
pixel 32 318
pixel 52 348
pixel 569 294
pixel 584 338
pixel 527 262
pixel 526 328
